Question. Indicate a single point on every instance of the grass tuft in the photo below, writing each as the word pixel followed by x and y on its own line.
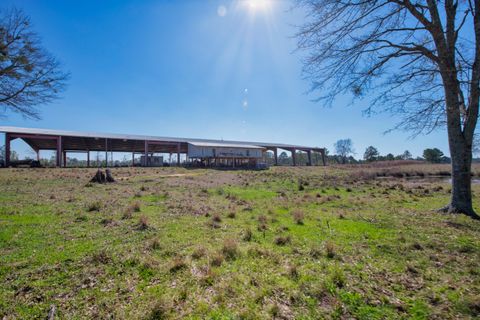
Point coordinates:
pixel 298 216
pixel 282 240
pixel 178 264
pixel 247 234
pixel 217 259
pixel 199 252
pixel 94 206
pixel 330 249
pixel 143 223
pixel 230 249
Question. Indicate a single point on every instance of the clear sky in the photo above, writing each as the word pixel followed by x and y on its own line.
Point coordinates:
pixel 200 68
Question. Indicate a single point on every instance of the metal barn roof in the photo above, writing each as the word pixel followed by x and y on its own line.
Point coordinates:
pixel 75 140
pixel 224 145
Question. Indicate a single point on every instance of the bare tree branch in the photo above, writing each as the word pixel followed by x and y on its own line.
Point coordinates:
pixel 29 75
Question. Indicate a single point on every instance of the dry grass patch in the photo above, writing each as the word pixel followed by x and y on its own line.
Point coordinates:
pixel 298 216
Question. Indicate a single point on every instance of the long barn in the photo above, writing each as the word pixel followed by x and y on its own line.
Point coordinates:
pixel 205 152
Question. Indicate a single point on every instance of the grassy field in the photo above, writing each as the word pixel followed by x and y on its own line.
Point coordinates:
pixel 287 243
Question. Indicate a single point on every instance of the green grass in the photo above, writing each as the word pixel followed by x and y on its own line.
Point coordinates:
pixel 365 248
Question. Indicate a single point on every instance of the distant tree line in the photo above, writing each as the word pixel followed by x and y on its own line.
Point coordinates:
pixel 344 152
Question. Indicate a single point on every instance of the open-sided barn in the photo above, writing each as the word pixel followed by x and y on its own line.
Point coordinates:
pixel 204 152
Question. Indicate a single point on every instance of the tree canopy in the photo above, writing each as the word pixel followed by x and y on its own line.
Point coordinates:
pixel 433 155
pixel 371 154
pixel 343 148
pixel 29 75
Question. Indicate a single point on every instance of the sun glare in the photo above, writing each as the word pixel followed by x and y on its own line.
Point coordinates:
pixel 256 5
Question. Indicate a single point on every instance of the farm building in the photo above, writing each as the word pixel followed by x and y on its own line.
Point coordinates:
pixel 195 152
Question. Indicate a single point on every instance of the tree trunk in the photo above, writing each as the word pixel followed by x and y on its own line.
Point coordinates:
pixel 461 200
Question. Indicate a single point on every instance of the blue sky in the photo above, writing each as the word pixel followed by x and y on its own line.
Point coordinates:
pixel 207 69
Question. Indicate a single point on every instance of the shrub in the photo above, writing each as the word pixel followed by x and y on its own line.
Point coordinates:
pixel 232 215
pixel 298 216
pixel 230 249
pixel 216 218
pixel 282 240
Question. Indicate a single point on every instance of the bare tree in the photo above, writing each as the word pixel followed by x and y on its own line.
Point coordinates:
pixel 420 59
pixel 29 75
pixel 343 148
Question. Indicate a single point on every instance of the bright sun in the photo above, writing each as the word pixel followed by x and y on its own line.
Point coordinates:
pixel 258 4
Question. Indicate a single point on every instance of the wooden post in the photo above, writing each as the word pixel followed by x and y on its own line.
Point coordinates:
pixel 7 150
pixel 309 153
pixel 275 155
pixel 133 159
pixel 88 158
pixel 294 157
pixel 64 153
pixel 146 154
pixel 323 157
pixel 37 151
pixel 178 154
pixel 59 152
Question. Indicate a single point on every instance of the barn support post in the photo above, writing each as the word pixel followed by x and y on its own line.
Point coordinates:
pixel 58 157
pixel 323 157
pixel 309 154
pixel 275 155
pixel 133 159
pixel 37 151
pixel 7 150
pixel 88 158
pixel 178 154
pixel 294 157
pixel 146 154
pixel 64 154
pixel 106 153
